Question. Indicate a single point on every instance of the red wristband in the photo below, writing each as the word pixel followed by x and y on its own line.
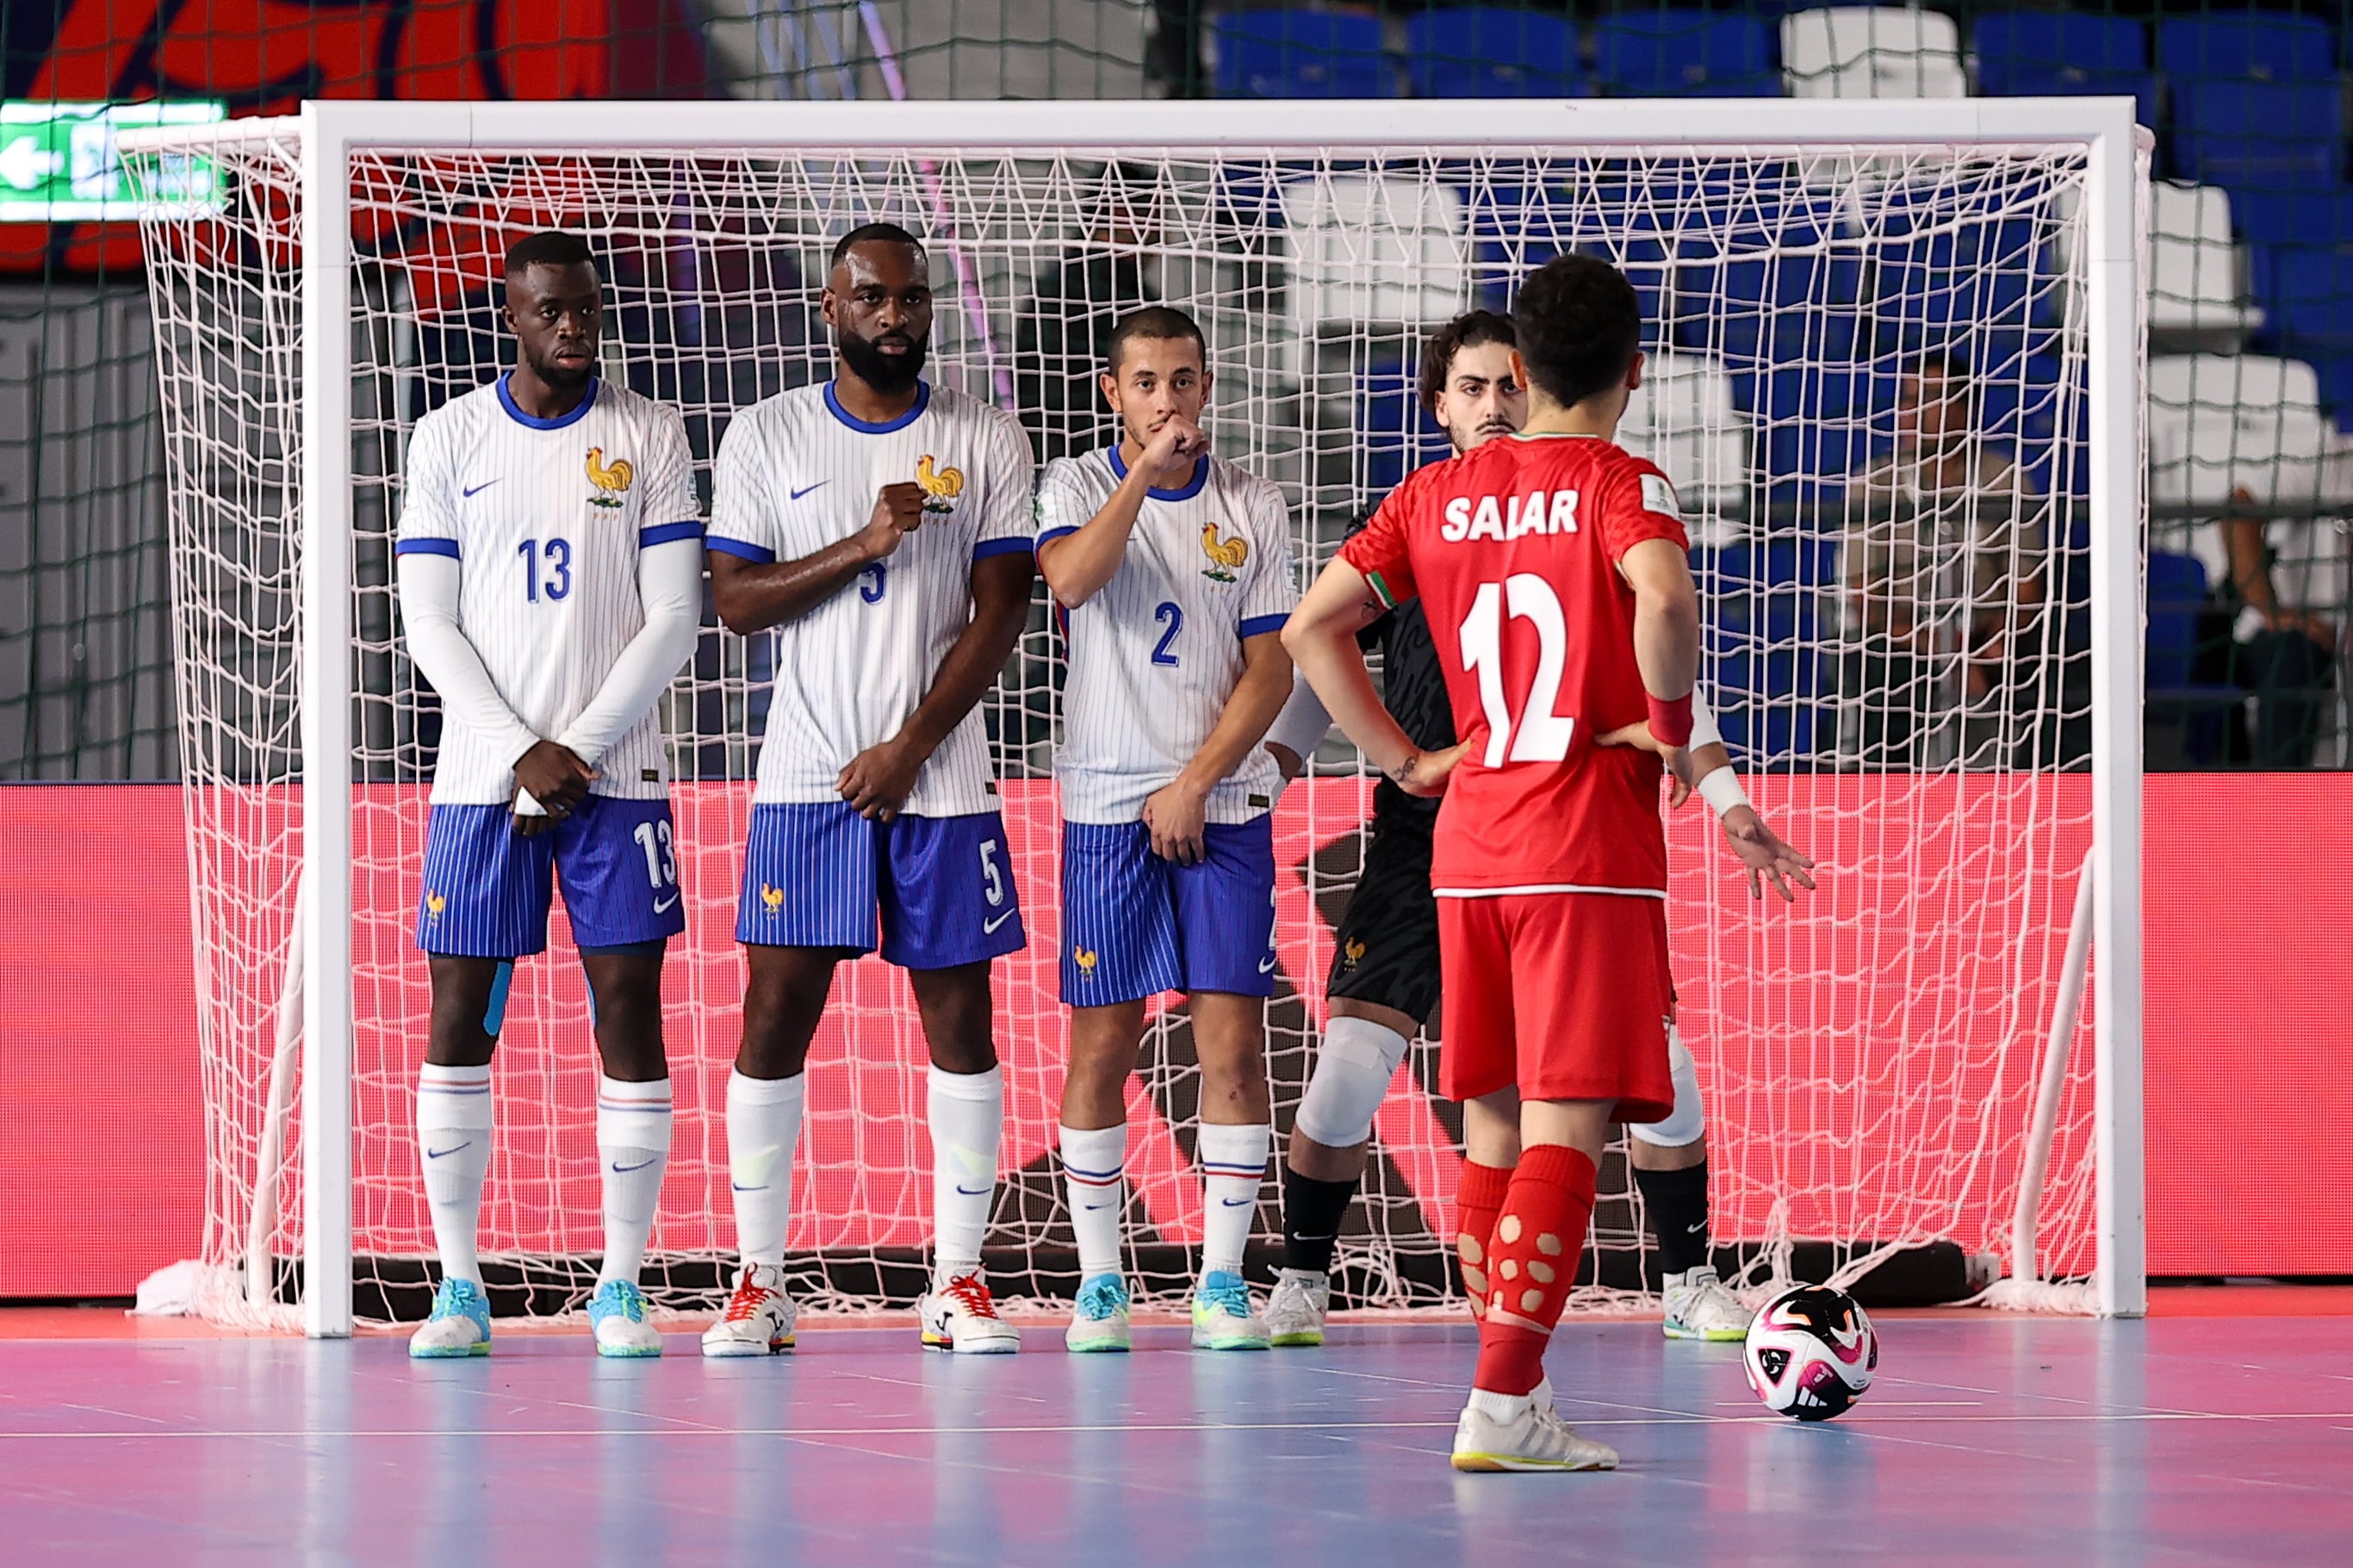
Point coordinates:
pixel 1671 722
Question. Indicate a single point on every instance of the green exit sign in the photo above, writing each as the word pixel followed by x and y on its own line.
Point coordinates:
pixel 59 163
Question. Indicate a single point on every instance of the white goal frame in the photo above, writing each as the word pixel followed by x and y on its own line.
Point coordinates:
pixel 326 135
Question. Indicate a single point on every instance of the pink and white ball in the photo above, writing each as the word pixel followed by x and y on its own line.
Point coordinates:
pixel 1810 1352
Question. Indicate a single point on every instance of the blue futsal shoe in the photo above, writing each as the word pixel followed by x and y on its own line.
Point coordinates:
pixel 460 1326
pixel 618 1314
pixel 1100 1323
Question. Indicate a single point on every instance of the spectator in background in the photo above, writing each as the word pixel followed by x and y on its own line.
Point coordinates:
pixel 2285 657
pixel 1063 338
pixel 1945 576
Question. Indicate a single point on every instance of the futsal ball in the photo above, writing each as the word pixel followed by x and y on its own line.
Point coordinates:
pixel 1810 1352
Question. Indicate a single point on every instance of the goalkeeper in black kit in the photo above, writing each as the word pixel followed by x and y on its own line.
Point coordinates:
pixel 1385 969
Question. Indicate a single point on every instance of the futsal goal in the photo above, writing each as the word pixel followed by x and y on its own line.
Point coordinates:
pixel 1894 371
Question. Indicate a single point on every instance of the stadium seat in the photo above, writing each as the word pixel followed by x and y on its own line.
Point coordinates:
pixel 1682 418
pixel 2219 422
pixel 2248 134
pixel 1764 283
pixel 2315 217
pixel 1762 661
pixel 1299 54
pixel 2255 46
pixel 1872 51
pixel 2308 290
pixel 1683 54
pixel 2177 604
pixel 1364 248
pixel 1485 51
pixel 2064 54
pixel 2194 263
pixel 1952 276
pixel 1516 228
pixel 1395 433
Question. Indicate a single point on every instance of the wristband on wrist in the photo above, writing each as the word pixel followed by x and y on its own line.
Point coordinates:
pixel 1721 789
pixel 1670 720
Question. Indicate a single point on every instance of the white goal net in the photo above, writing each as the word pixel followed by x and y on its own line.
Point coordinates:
pixel 1870 378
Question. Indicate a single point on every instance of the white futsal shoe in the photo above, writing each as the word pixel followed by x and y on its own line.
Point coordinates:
pixel 460 1326
pixel 1099 1321
pixel 1296 1308
pixel 1701 1307
pixel 617 1315
pixel 1537 1438
pixel 759 1317
pixel 961 1316
pixel 1223 1318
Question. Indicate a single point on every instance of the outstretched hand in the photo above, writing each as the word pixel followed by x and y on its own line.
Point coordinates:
pixel 1766 855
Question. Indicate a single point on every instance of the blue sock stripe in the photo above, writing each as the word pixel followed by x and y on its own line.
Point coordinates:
pixel 494 1016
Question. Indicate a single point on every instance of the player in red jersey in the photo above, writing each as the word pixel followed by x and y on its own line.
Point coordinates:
pixel 1551 566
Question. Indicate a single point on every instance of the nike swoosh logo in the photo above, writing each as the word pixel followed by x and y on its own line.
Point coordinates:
pixel 437 1153
pixel 1266 964
pixel 972 1192
pixel 476 490
pixel 663 908
pixel 741 1188
pixel 1092 1208
pixel 1236 1202
pixel 1694 1229
pixel 625 1170
pixel 805 489
pixel 989 927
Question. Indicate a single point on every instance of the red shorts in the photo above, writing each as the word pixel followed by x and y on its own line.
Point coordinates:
pixel 1564 994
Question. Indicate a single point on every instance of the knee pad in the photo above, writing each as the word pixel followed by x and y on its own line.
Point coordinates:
pixel 1352 1069
pixel 1687 1120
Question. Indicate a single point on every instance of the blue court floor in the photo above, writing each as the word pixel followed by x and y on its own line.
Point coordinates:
pixel 1986 1439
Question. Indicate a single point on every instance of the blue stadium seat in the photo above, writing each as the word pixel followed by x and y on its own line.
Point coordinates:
pixel 2323 217
pixel 2062 54
pixel 1485 51
pixel 1684 54
pixel 2255 46
pixel 2177 599
pixel 1761 661
pixel 1395 434
pixel 2249 134
pixel 2306 292
pixel 1301 53
pixel 1516 228
pixel 1762 282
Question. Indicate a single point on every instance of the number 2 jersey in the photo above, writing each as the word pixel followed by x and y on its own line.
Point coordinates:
pixel 546 518
pixel 1513 549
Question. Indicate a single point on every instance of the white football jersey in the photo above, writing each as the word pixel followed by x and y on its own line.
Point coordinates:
pixel 546 518
pixel 797 472
pixel 1156 653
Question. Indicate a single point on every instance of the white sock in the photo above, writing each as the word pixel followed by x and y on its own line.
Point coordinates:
pixel 632 1150
pixel 967 1117
pixel 1094 1178
pixel 1233 1162
pixel 764 1124
pixel 455 1119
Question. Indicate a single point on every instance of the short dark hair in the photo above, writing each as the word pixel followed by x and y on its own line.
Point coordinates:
pixel 1580 325
pixel 1943 359
pixel 1468 331
pixel 875 234
pixel 1162 323
pixel 549 247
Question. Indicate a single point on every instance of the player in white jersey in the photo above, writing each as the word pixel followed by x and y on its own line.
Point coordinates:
pixel 1173 569
pixel 549 550
pixel 882 527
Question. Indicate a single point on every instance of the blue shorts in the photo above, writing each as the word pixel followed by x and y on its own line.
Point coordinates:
pixel 1134 925
pixel 816 874
pixel 487 887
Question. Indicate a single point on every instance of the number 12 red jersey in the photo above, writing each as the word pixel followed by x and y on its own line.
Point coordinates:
pixel 1513 549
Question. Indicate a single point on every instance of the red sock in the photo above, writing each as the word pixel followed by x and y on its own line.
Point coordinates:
pixel 1531 1263
pixel 1476 1203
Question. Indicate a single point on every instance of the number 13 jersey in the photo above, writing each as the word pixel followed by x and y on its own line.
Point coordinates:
pixel 1513 549
pixel 546 518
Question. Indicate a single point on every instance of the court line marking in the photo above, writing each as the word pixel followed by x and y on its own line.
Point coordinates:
pixel 1763 1418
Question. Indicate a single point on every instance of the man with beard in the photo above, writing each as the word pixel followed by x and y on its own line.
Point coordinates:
pixel 882 527
pixel 550 583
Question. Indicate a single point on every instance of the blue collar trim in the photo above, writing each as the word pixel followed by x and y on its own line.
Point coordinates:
pixel 864 427
pixel 1186 492
pixel 579 411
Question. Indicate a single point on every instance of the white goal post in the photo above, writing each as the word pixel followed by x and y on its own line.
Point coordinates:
pixel 270 318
